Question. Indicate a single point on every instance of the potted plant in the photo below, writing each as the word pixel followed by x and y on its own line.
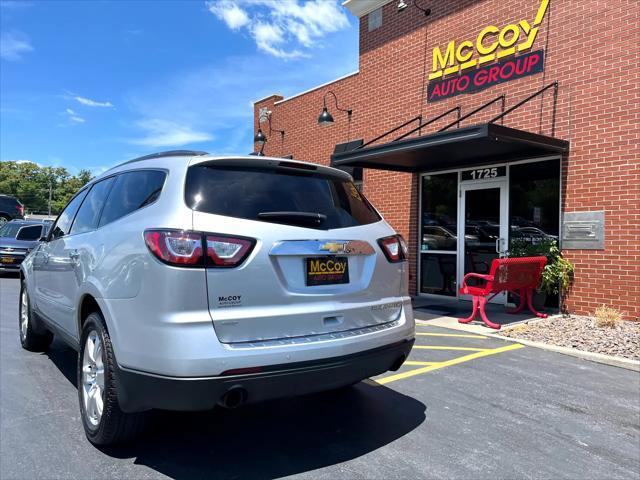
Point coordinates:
pixel 557 275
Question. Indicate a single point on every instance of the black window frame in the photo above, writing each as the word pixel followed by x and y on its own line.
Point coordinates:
pixel 84 190
pixel 111 178
pixel 119 174
pixel 87 189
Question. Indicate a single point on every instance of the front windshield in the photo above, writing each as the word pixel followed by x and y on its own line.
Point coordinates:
pixel 10 229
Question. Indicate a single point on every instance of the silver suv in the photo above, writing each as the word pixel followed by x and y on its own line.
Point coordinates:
pixel 186 280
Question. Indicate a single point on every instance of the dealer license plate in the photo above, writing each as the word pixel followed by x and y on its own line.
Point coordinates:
pixel 327 270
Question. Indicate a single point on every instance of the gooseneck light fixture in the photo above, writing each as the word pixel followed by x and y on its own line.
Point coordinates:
pixel 325 117
pixel 403 5
pixel 259 137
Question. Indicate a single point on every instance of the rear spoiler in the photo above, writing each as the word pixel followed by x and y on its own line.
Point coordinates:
pixel 271 163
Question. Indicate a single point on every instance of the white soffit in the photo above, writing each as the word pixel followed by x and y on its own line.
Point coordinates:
pixel 360 8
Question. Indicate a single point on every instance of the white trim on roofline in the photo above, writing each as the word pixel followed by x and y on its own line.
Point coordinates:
pixel 317 87
pixel 360 8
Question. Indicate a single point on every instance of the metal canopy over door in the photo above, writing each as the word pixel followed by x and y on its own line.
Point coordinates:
pixel 483 227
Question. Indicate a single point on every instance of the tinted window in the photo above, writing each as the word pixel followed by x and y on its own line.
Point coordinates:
pixel 439 211
pixel 132 190
pixel 534 194
pixel 89 213
pixel 63 224
pixel 33 232
pixel 249 192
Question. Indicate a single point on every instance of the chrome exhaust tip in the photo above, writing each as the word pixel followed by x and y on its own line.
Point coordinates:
pixel 233 398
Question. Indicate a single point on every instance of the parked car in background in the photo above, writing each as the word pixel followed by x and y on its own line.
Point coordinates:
pixel 10 209
pixel 17 239
pixel 186 280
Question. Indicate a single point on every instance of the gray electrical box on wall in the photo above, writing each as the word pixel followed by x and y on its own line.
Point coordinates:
pixel 583 231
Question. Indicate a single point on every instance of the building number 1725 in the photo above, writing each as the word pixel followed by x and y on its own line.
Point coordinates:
pixel 484 173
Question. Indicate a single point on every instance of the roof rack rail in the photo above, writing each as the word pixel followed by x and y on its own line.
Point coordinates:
pixel 168 153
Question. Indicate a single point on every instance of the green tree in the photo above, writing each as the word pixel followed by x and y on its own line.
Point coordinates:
pixel 30 183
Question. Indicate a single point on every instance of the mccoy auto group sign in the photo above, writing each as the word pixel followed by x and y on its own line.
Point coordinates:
pixel 465 67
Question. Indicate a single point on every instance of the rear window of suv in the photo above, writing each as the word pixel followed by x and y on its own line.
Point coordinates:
pixel 277 196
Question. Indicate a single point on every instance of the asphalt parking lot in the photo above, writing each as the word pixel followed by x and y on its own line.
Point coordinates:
pixel 464 406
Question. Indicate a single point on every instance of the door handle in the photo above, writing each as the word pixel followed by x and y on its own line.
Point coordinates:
pixel 499 243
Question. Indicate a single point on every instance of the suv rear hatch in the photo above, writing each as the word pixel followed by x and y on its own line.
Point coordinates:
pixel 316 266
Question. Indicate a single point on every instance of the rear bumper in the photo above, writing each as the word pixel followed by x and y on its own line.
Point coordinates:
pixel 138 391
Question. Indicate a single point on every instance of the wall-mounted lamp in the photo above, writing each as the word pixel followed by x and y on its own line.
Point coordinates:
pixel 403 5
pixel 325 117
pixel 259 137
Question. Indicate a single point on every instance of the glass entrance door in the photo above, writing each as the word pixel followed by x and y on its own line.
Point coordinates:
pixel 483 227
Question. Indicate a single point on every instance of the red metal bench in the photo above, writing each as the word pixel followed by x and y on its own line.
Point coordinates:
pixel 519 276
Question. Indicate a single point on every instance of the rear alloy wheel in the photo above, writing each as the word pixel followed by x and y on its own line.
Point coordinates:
pixel 3 220
pixel 103 421
pixel 29 339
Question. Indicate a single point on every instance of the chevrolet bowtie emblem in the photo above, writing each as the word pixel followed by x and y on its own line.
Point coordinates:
pixel 333 247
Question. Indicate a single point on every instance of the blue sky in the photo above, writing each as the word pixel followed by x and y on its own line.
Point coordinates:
pixel 88 84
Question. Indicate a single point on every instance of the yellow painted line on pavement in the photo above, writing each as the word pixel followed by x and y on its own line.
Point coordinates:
pixel 416 363
pixel 459 335
pixel 438 347
pixel 448 363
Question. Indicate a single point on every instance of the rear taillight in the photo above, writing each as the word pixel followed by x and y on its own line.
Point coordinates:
pixel 394 248
pixel 224 251
pixel 185 248
pixel 20 209
pixel 175 247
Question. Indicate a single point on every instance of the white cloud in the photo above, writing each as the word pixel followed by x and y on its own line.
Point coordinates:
pixel 13 45
pixel 166 133
pixel 280 27
pixel 72 116
pixel 92 103
pixel 230 13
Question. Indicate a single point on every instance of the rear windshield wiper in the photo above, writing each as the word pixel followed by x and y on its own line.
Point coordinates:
pixel 295 218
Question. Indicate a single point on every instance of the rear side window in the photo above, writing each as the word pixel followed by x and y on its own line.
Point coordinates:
pixel 89 213
pixel 131 191
pixel 33 232
pixel 268 194
pixel 63 224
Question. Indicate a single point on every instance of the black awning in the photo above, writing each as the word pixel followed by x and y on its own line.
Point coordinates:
pixel 468 146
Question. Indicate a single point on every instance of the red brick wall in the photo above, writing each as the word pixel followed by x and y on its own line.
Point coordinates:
pixel 591 49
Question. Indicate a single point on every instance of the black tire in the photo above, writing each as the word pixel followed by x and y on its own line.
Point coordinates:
pixel 29 339
pixel 114 426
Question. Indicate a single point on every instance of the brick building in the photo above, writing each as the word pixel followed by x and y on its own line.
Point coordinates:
pixel 564 164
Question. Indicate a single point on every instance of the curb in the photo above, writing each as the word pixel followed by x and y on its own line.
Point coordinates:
pixel 611 360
